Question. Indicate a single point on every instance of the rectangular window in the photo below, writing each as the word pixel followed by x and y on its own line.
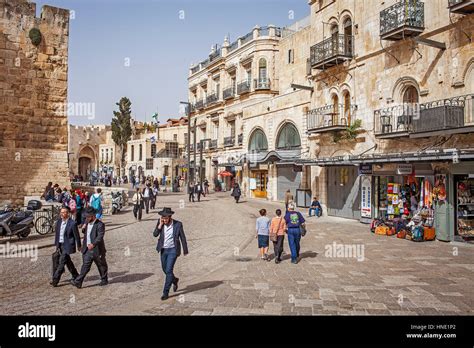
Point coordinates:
pixel 132 153
pixel 149 164
pixel 291 56
pixel 165 171
pixel 175 137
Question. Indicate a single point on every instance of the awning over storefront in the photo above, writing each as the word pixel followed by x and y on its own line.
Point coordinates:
pixel 454 155
pixel 274 156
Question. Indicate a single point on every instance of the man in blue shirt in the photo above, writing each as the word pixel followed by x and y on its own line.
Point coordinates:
pixel 316 207
pixel 294 221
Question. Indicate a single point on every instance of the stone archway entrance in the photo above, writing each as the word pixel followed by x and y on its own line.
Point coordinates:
pixel 86 162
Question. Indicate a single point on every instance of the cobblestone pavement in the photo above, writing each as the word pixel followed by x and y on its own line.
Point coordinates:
pixel 223 275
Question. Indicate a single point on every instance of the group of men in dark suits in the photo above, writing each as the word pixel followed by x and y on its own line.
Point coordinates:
pixel 92 247
pixel 170 235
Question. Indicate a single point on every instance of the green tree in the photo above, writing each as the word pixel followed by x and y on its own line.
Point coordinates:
pixel 122 129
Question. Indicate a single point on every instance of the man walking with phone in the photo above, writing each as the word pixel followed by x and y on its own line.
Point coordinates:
pixel 170 235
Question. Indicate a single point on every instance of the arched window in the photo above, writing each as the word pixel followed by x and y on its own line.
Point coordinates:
pixel 258 141
pixel 347 24
pixel 132 153
pixel 262 69
pixel 107 156
pixel 112 155
pixel 410 101
pixel 410 95
pixel 335 104
pixel 153 150
pixel 288 138
pixel 347 107
pixel 140 152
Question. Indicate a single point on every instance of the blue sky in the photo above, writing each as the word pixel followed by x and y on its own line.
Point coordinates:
pixel 159 44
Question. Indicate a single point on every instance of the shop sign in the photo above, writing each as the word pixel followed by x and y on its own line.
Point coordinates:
pixel 238 167
pixel 366 197
pixel 253 183
pixel 365 169
pixel 405 169
pixel 264 166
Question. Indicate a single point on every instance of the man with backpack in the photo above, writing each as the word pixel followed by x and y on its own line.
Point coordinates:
pixel 96 203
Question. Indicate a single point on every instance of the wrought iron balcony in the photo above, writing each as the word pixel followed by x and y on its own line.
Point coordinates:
pixel 330 118
pixel 240 139
pixel 247 38
pixel 213 144
pixel 212 99
pixel 332 51
pixel 446 116
pixel 229 141
pixel 262 83
pixel 229 93
pixel 403 19
pixel 214 56
pixel 461 6
pixel 200 104
pixel 243 87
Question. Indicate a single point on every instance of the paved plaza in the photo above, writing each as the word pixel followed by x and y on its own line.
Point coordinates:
pixel 223 275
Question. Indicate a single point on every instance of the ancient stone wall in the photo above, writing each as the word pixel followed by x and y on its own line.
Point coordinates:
pixel 33 95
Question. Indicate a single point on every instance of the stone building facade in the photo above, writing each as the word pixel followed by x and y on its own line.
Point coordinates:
pixel 376 74
pixel 33 93
pixel 158 152
pixel 91 149
pixel 234 76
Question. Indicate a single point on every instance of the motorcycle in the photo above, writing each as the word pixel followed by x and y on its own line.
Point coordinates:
pixel 117 202
pixel 18 222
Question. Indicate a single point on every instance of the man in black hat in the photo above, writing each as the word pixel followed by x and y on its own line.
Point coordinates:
pixel 66 239
pixel 171 235
pixel 93 249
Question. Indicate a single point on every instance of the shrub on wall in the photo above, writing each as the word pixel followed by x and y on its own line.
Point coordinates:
pixel 35 36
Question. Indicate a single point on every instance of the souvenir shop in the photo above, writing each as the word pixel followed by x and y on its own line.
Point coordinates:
pixel 463 177
pixel 438 196
pixel 408 192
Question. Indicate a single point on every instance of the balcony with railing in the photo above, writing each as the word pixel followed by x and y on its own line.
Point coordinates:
pixel 262 84
pixel 213 144
pixel 228 93
pixel 229 141
pixel 461 6
pixel 243 87
pixel 212 99
pixel 332 51
pixel 200 104
pixel 446 116
pixel 404 19
pixel 240 139
pixel 330 118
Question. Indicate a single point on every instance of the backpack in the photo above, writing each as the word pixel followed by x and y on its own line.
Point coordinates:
pixel 72 205
pixel 417 235
pixel 96 202
pixel 78 202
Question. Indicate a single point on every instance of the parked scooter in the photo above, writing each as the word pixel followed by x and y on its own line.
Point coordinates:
pixel 18 222
pixel 117 202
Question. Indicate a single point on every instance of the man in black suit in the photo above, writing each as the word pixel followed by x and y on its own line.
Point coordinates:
pixel 66 238
pixel 93 249
pixel 170 235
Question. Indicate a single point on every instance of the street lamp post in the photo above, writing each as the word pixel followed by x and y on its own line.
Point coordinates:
pixel 188 114
pixel 200 157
